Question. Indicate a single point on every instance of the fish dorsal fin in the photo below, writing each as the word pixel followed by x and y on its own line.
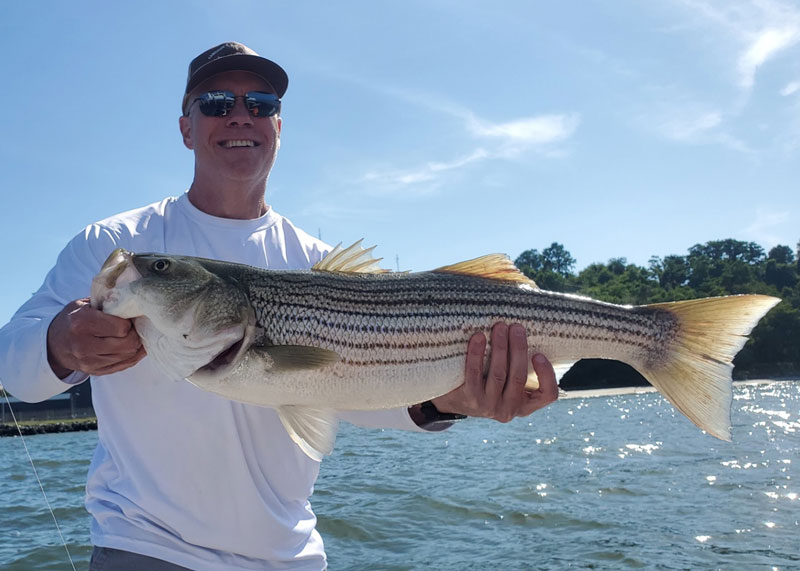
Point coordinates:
pixel 353 259
pixel 492 266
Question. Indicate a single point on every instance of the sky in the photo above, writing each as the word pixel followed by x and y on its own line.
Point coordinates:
pixel 439 130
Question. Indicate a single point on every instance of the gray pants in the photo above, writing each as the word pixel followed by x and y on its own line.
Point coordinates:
pixel 107 559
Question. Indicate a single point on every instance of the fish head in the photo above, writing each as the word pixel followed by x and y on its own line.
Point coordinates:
pixel 188 316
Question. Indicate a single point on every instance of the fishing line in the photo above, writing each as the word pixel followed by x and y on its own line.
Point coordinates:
pixel 41 487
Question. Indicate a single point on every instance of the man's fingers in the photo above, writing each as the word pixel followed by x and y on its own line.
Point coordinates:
pixel 547 376
pixel 127 345
pixel 547 392
pixel 513 393
pixel 120 365
pixel 100 324
pixel 498 367
pixel 81 338
pixel 473 374
pixel 97 350
pixel 501 393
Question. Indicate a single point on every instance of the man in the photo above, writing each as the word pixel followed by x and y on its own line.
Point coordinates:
pixel 182 477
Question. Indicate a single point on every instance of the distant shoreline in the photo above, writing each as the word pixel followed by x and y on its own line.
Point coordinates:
pixel 31 427
pixel 650 389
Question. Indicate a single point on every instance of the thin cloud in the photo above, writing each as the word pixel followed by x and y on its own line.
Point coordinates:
pixel 541 130
pixel 760 30
pixel 536 134
pixel 764 47
pixel 689 129
pixel 507 140
pixel 424 179
pixel 458 163
pixel 533 130
pixel 681 120
pixel 748 35
pixel 791 88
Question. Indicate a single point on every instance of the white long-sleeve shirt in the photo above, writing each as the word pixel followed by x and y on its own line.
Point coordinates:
pixel 181 474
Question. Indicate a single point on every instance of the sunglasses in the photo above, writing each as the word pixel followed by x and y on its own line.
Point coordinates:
pixel 220 103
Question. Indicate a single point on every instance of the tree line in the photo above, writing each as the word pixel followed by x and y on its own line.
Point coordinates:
pixel 719 267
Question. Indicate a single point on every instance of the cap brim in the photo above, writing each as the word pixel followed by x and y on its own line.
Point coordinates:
pixel 269 70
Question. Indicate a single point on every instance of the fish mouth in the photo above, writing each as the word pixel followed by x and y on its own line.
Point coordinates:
pixel 117 270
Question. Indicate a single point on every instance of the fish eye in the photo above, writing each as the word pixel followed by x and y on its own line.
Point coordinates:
pixel 161 265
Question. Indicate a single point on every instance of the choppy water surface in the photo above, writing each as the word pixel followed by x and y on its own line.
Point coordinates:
pixel 603 482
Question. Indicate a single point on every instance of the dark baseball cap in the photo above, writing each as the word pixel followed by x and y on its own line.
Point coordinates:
pixel 233 56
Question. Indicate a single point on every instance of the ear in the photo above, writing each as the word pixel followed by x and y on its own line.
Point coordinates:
pixel 185 124
pixel 278 132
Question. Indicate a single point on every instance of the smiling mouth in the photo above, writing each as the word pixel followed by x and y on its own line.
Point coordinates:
pixel 237 143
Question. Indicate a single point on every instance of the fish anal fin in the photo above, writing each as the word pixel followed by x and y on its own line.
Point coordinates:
pixel 312 429
pixel 354 260
pixel 492 266
pixel 299 357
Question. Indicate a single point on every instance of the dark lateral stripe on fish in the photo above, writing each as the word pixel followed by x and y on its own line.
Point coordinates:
pixel 523 302
pixel 435 285
pixel 531 307
pixel 328 319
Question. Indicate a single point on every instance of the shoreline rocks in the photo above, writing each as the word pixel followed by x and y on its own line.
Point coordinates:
pixel 28 429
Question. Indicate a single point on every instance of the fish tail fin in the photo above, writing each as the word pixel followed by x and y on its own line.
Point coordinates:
pixel 696 375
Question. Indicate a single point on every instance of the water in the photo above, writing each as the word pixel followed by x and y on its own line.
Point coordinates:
pixel 618 482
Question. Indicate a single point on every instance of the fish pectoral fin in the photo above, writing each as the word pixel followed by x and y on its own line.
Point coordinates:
pixel 492 267
pixel 299 357
pixel 312 429
pixel 560 368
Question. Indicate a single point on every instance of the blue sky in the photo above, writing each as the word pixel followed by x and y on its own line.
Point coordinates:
pixel 439 130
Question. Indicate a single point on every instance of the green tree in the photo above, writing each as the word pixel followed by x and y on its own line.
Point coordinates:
pixel 551 269
pixel 730 249
pixel 557 259
pixel 773 348
pixel 797 257
pixel 780 275
pixel 671 271
pixel 529 262
pixel 781 254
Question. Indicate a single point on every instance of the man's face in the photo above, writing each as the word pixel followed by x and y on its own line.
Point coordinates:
pixel 217 142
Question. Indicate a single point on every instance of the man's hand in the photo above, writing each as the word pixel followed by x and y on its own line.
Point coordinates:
pixel 500 395
pixel 81 338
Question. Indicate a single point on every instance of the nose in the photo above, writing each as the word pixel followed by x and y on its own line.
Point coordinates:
pixel 239 115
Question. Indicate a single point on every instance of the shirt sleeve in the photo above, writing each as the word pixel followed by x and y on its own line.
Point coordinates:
pixel 24 369
pixel 390 418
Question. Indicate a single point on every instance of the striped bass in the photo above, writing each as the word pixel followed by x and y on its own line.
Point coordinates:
pixel 347 335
